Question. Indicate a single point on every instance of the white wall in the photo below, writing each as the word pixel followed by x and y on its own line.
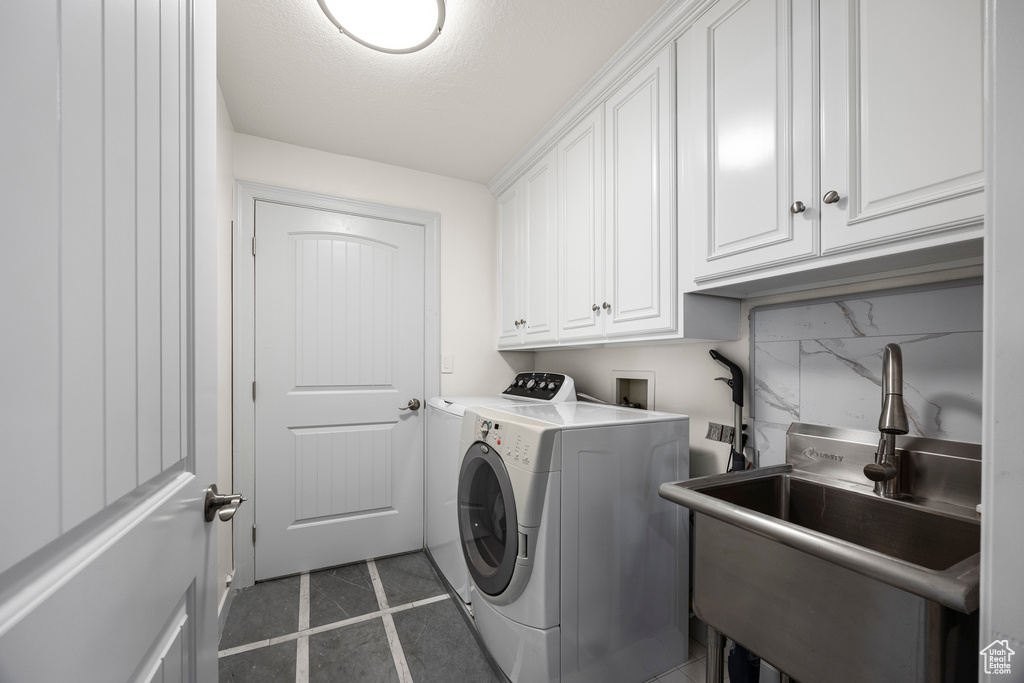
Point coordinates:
pixel 685 373
pixel 468 247
pixel 225 207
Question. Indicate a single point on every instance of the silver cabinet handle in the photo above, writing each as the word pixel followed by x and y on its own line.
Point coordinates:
pixel 831 197
pixel 797 207
pixel 517 323
pixel 414 404
pixel 595 307
pixel 607 306
pixel 222 506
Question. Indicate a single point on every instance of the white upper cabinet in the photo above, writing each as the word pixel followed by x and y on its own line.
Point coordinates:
pixel 640 236
pixel 616 233
pixel 746 124
pixel 527 262
pixel 581 229
pixel 840 134
pixel 901 95
pixel 509 259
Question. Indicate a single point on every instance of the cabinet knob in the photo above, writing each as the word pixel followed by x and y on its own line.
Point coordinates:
pixel 523 321
pixel 797 207
pixel 607 306
pixel 517 323
pixel 831 197
pixel 595 307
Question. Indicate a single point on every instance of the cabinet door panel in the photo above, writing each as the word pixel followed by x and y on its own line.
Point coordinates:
pixel 540 245
pixel 902 112
pixel 747 122
pixel 640 235
pixel 509 259
pixel 581 229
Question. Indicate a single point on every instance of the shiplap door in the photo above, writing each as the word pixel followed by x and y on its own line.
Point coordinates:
pixel 107 371
pixel 339 352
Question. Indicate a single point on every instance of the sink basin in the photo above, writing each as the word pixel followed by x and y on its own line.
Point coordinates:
pixel 902 531
pixel 932 552
pixel 805 565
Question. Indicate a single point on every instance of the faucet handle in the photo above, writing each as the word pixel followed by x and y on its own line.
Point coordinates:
pixel 883 472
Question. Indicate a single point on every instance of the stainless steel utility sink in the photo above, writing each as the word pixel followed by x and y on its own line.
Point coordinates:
pixel 903 531
pixel 805 565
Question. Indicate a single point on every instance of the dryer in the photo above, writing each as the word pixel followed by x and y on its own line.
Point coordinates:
pixel 443 457
pixel 579 569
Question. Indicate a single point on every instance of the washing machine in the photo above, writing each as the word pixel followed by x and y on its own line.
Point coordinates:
pixel 579 570
pixel 443 457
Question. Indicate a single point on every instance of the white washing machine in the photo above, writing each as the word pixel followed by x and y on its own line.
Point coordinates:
pixel 579 569
pixel 443 457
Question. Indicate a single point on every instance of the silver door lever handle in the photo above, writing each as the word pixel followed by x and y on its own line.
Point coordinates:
pixel 222 506
pixel 414 404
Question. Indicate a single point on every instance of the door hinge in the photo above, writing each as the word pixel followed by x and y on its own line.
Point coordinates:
pixel 254 391
pixel 254 534
pixel 254 246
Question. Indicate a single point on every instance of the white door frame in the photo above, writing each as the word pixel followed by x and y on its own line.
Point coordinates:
pixel 244 333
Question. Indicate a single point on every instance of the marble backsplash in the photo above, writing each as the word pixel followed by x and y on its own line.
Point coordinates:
pixel 820 362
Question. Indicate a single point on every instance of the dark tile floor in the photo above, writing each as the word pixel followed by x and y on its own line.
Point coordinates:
pixel 380 620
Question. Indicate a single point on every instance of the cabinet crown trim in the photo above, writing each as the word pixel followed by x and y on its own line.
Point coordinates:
pixel 661 29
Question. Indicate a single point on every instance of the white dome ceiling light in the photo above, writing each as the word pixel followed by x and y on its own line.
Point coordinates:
pixel 396 26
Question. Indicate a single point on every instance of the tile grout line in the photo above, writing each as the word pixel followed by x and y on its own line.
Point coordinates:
pixel 266 642
pixel 302 646
pixel 378 586
pixel 397 653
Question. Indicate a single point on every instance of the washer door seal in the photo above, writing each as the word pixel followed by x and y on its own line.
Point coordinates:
pixel 488 526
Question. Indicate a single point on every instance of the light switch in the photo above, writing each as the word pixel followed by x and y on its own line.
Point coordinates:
pixel 447 365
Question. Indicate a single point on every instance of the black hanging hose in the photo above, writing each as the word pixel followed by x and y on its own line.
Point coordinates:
pixel 736 460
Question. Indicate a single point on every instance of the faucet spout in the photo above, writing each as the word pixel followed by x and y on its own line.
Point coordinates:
pixel 892 421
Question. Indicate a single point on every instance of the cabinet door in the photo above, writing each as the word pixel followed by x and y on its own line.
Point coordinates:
pixel 509 257
pixel 747 122
pixel 640 242
pixel 901 91
pixel 538 271
pixel 581 229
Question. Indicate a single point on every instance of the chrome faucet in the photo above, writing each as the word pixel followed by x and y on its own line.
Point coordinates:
pixel 885 470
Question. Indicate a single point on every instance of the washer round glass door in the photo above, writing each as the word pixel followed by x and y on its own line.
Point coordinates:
pixel 487 519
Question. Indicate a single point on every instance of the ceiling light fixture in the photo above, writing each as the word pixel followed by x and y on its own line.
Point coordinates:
pixel 396 26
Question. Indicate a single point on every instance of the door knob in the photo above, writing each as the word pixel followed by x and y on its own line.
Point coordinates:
pixel 595 307
pixel 607 306
pixel 218 505
pixel 797 207
pixel 414 404
pixel 831 197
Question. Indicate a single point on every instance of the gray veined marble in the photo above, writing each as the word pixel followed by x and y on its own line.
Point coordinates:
pixel 948 309
pixel 776 386
pixel 821 363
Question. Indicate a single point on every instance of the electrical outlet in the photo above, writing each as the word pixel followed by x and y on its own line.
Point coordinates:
pixel 714 431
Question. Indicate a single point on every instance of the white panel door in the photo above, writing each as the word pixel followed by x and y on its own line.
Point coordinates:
pixel 107 360
pixel 539 238
pixel 510 256
pixel 901 95
pixel 747 130
pixel 581 229
pixel 339 352
pixel 640 276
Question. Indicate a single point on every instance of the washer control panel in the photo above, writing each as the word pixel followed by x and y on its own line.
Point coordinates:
pixel 550 387
pixel 522 443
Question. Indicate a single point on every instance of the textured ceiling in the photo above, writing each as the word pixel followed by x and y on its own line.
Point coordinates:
pixel 463 107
